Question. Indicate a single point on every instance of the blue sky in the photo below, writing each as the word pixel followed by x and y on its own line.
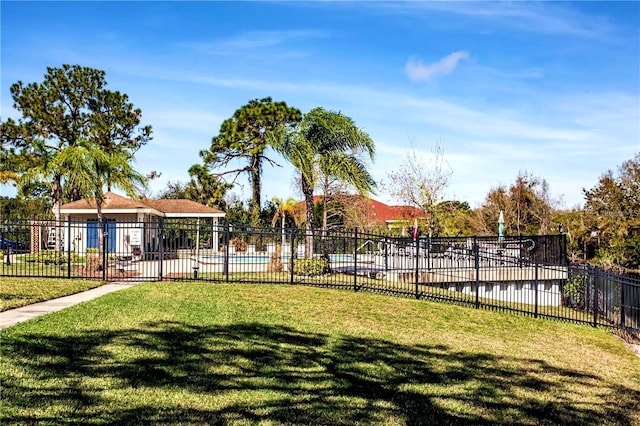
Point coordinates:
pixel 548 88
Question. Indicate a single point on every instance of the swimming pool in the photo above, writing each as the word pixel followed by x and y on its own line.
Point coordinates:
pixel 235 259
pixel 340 258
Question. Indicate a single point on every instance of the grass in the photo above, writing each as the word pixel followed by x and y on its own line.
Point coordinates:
pixel 407 289
pixel 37 270
pixel 199 353
pixel 16 292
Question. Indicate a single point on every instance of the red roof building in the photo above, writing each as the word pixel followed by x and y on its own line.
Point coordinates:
pixel 380 213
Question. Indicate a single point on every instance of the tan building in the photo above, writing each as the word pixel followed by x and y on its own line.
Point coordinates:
pixel 131 225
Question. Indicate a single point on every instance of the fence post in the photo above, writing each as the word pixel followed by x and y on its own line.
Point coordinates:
pixel 428 253
pixel 586 270
pixel 160 247
pixel 291 261
pixel 476 259
pixel 622 313
pixel 535 289
pixel 68 247
pixel 6 252
pixel 595 296
pixel 417 272
pixel 386 254
pixel 105 245
pixel 522 254
pixel 355 259
pixel 225 261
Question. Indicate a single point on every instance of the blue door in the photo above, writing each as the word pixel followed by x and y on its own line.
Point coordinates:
pixel 92 234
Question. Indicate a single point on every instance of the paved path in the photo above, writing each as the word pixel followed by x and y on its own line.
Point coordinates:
pixel 14 316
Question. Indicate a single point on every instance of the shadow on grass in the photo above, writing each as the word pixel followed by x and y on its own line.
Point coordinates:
pixel 252 373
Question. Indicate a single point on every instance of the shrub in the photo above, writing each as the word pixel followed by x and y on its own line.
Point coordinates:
pixel 50 257
pixel 93 263
pixel 311 267
pixel 239 244
pixel 574 289
pixel 275 261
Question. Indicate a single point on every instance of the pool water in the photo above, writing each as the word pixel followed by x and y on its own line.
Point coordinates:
pixel 235 259
pixel 265 259
pixel 340 258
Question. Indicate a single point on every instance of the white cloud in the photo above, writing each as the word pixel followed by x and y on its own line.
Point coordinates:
pixel 417 71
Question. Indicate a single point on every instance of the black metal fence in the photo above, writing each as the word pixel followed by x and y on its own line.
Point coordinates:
pixel 527 274
pixel 612 299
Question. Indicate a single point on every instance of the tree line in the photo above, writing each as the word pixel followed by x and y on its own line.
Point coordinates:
pixel 76 139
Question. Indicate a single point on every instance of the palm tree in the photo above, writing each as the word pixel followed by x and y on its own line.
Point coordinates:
pixel 328 143
pixel 289 207
pixel 343 167
pixel 48 171
pixel 8 176
pixel 91 169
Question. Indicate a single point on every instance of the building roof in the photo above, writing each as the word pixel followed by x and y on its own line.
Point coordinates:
pixel 114 203
pixel 382 212
pixel 388 213
pixel 181 207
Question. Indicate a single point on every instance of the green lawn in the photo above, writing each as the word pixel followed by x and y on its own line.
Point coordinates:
pixel 36 270
pixel 16 292
pixel 201 353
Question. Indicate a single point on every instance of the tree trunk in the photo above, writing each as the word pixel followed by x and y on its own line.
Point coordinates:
pixel 283 237
pixel 324 209
pixel 256 183
pixel 100 234
pixel 56 193
pixel 324 217
pixel 307 190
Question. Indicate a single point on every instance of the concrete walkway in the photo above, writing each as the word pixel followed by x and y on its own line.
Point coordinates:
pixel 15 316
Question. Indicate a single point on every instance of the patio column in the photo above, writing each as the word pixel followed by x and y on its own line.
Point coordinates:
pixel 214 244
pixel 198 239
